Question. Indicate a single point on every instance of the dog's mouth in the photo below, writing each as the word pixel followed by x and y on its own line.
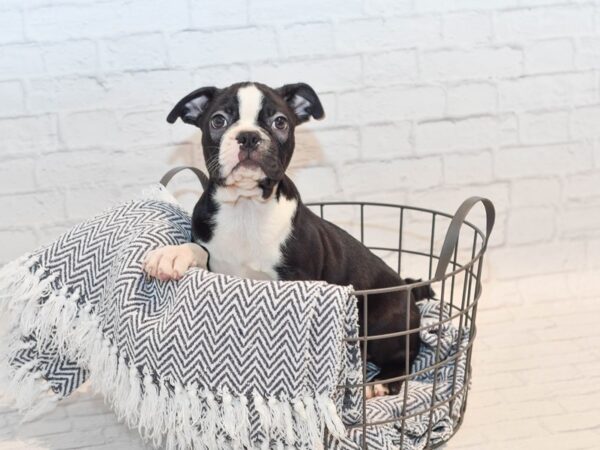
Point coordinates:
pixel 248 159
pixel 247 172
pixel 252 168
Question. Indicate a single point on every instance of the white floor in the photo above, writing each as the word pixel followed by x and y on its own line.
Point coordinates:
pixel 536 385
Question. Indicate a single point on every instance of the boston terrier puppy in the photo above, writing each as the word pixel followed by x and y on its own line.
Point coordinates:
pixel 252 221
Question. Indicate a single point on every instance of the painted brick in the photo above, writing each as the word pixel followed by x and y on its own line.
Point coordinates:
pixel 391 68
pixel 11 26
pixel 541 161
pixel 84 202
pixel 380 34
pixel 468 168
pixel 269 11
pixel 32 209
pixel 74 169
pixel 52 22
pixel 326 189
pixel 123 90
pixel 145 89
pixel 150 15
pixel 71 57
pixel 17 175
pixel 547 127
pixel 307 39
pixel 473 63
pixel 467 28
pixel 20 60
pixel 333 146
pixel 529 225
pixel 204 48
pixel 530 23
pixel 105 18
pixel 582 186
pixel 583 122
pixel 13 98
pixel 230 13
pixel 220 75
pixel 89 129
pixel 580 221
pixel 387 8
pixel 393 103
pixel 387 140
pixel 27 135
pixel 538 259
pixel 549 56
pixel 458 5
pixel 144 51
pixel 321 74
pixel 472 98
pixel 588 52
pixel 508 130
pixel 65 93
pixel 133 129
pixel 548 91
pixel 471 133
pixel 536 191
pixel 14 241
pixel 593 253
pixel 398 174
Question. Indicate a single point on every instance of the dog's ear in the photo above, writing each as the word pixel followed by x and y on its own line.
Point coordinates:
pixel 191 107
pixel 303 100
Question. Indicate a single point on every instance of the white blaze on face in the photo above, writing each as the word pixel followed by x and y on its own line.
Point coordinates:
pixel 250 100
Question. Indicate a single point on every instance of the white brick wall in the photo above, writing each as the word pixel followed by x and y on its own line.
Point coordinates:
pixel 427 102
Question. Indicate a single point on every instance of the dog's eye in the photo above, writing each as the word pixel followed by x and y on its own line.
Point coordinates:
pixel 218 121
pixel 280 123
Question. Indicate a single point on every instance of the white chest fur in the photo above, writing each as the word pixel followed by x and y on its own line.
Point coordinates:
pixel 248 234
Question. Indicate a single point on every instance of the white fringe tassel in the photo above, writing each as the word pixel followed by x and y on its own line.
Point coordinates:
pixel 187 416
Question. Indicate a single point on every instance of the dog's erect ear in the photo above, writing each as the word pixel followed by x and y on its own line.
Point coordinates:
pixel 191 107
pixel 303 100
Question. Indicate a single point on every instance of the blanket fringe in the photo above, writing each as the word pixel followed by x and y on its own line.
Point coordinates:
pixel 185 416
pixel 158 192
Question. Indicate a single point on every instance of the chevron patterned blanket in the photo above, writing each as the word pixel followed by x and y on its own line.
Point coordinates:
pixel 210 361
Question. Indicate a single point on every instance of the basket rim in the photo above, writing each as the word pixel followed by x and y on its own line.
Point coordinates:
pixel 410 286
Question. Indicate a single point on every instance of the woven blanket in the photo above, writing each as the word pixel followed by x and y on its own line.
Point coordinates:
pixel 208 362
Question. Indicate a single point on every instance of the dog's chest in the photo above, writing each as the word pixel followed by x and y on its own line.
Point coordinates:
pixel 248 236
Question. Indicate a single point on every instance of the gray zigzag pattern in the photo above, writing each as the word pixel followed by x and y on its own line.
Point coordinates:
pixel 279 339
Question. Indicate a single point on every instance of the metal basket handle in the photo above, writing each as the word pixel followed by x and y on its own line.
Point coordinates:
pixel 175 170
pixel 451 239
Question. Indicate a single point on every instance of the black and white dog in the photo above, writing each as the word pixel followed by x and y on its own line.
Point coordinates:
pixel 253 223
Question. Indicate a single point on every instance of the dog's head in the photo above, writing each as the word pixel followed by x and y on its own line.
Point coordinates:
pixel 248 129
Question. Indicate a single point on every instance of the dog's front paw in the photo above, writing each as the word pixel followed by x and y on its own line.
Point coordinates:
pixel 172 261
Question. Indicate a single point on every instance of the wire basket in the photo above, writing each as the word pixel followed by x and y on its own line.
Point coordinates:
pixel 412 241
pixel 409 239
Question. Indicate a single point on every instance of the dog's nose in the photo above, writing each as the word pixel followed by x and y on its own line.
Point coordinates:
pixel 248 140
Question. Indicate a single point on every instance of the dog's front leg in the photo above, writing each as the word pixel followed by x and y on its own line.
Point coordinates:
pixel 172 261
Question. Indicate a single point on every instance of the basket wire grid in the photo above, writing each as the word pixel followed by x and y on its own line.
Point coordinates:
pixel 465 262
pixel 459 291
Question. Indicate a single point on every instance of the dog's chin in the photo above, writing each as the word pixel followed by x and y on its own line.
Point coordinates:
pixel 246 175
